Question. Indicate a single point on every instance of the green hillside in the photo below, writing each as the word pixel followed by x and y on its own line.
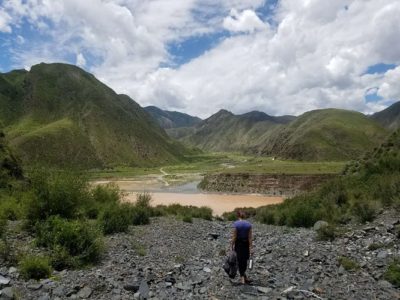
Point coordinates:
pixel 9 166
pixel 389 117
pixel 225 131
pixel 171 119
pixel 60 115
pixel 327 134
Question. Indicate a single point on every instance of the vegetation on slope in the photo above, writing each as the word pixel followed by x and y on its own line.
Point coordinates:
pixel 60 115
pixel 389 117
pixel 367 186
pixel 171 119
pixel 225 131
pixel 327 134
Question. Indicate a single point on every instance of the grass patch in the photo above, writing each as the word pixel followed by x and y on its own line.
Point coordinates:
pixel 348 264
pixel 139 249
pixel 75 243
pixel 393 273
pixel 375 246
pixel 35 267
pixel 187 219
pixel 326 233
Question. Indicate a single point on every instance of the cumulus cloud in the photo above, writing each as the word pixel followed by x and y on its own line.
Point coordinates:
pixel 312 54
pixel 246 21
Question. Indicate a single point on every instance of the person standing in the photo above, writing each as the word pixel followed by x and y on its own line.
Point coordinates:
pixel 242 243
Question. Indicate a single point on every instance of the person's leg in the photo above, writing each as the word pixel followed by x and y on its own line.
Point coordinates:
pixel 242 257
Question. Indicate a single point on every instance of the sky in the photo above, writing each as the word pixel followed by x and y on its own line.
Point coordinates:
pixel 198 56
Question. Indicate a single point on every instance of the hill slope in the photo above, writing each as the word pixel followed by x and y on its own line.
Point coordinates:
pixel 60 115
pixel 9 166
pixel 171 119
pixel 327 134
pixel 389 117
pixel 225 131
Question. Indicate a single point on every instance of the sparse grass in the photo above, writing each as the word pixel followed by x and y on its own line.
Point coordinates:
pixel 375 246
pixel 392 274
pixel 187 219
pixel 139 249
pixel 326 233
pixel 35 267
pixel 348 264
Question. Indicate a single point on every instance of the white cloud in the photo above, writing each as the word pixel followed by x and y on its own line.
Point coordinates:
pixel 5 20
pixel 246 21
pixel 390 87
pixel 80 60
pixel 314 55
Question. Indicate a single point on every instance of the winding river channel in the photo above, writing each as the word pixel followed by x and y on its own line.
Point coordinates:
pixel 185 192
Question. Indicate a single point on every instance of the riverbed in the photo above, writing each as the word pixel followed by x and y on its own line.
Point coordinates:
pixel 186 193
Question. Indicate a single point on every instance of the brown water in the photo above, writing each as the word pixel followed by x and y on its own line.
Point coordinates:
pixel 188 194
pixel 219 203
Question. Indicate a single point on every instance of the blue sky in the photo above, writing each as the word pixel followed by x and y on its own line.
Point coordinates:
pixel 197 56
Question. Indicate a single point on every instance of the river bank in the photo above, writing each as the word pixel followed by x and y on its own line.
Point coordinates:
pixel 170 259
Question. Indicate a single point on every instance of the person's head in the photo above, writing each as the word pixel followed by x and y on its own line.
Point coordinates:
pixel 241 214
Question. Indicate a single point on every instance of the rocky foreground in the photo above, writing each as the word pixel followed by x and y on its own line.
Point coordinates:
pixel 170 259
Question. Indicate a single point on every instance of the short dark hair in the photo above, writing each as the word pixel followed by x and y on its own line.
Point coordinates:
pixel 241 214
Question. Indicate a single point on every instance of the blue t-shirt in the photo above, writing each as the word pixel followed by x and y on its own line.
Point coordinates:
pixel 242 228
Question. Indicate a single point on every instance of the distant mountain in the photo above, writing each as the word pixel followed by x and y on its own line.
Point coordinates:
pixel 225 131
pixel 389 117
pixel 327 134
pixel 171 119
pixel 60 115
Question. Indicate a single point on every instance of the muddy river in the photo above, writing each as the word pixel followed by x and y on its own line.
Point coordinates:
pixel 186 193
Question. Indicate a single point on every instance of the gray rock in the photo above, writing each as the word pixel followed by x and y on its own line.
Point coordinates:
pixel 46 297
pixel 382 254
pixel 214 235
pixel 319 224
pixel 7 294
pixel 264 290
pixel 85 292
pixel 132 287
pixel 59 291
pixel 183 286
pixel 4 281
pixel 203 290
pixel 144 290
pixel 207 270
pixel 385 284
pixel 35 287
pixel 136 295
pixel 12 270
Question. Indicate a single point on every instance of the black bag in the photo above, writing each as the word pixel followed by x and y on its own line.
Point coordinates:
pixel 231 265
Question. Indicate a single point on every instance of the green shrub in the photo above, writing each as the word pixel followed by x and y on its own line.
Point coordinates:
pixel 143 200
pixel 229 216
pixel 375 246
pixel 35 267
pixel 80 239
pixel 139 215
pixel 10 209
pixel 393 273
pixel 326 233
pixel 266 215
pixel 61 194
pixel 4 249
pixel 348 264
pixel 3 227
pixel 116 218
pixel 365 210
pixel 203 212
pixel 187 219
pixel 106 194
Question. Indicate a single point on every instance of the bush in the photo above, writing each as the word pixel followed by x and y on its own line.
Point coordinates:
pixel 365 210
pixel 139 215
pixel 393 273
pixel 116 218
pixel 203 212
pixel 143 200
pixel 266 215
pixel 180 210
pixel 187 219
pixel 326 233
pixel 3 227
pixel 35 267
pixel 56 194
pixel 106 194
pixel 348 264
pixel 79 239
pixel 10 209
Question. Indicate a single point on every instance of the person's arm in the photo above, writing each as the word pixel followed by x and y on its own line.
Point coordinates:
pixel 251 240
pixel 233 238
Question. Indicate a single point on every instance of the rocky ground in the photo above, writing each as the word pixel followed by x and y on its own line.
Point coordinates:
pixel 169 259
